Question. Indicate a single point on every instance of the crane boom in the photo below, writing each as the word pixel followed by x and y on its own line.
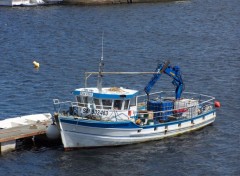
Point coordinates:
pixel 173 72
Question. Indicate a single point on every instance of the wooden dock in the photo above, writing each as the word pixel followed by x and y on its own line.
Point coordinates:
pixel 9 136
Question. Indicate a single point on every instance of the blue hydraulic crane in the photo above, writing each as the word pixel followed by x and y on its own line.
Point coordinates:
pixel 173 72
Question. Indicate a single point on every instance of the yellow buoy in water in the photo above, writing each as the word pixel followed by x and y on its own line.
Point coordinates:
pixel 36 64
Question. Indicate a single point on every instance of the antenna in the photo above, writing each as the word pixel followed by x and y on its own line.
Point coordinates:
pixel 101 64
pixel 102 46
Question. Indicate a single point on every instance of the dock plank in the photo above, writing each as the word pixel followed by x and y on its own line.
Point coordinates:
pixel 23 131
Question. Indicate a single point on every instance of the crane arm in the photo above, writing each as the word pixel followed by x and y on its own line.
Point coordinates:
pixel 159 70
pixel 173 72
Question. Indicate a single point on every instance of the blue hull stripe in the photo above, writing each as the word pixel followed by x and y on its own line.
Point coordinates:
pixel 99 124
pixel 124 124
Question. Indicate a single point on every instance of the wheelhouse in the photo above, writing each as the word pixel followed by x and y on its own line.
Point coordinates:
pixel 109 100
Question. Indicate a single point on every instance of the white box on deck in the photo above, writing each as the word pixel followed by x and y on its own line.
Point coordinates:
pixel 190 105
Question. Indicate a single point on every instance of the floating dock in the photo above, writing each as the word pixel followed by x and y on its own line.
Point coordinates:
pixel 30 128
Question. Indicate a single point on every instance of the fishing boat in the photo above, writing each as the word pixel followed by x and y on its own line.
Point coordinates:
pixel 111 116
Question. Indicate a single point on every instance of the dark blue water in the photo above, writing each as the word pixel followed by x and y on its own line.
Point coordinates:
pixel 201 36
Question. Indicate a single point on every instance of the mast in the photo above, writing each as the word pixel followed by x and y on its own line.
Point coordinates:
pixel 100 70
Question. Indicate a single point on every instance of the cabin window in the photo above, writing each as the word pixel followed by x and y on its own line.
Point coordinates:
pixel 84 100
pixel 97 103
pixel 118 104
pixel 80 101
pixel 133 102
pixel 107 104
pixel 126 104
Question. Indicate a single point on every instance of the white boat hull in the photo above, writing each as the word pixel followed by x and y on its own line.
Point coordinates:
pixel 80 135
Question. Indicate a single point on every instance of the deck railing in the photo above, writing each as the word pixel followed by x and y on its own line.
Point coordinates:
pixel 204 103
pixel 69 108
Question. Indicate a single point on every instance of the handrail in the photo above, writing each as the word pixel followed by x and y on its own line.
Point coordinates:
pixel 188 109
pixel 193 93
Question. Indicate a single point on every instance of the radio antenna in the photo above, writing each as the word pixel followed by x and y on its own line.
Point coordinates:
pixel 102 45
pixel 101 64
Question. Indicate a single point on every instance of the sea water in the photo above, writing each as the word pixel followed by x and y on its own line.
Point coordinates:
pixel 202 37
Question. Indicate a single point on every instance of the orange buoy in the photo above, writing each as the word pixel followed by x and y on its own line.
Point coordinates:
pixel 217 104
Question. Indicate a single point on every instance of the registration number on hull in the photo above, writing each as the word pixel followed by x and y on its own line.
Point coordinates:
pixel 95 111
